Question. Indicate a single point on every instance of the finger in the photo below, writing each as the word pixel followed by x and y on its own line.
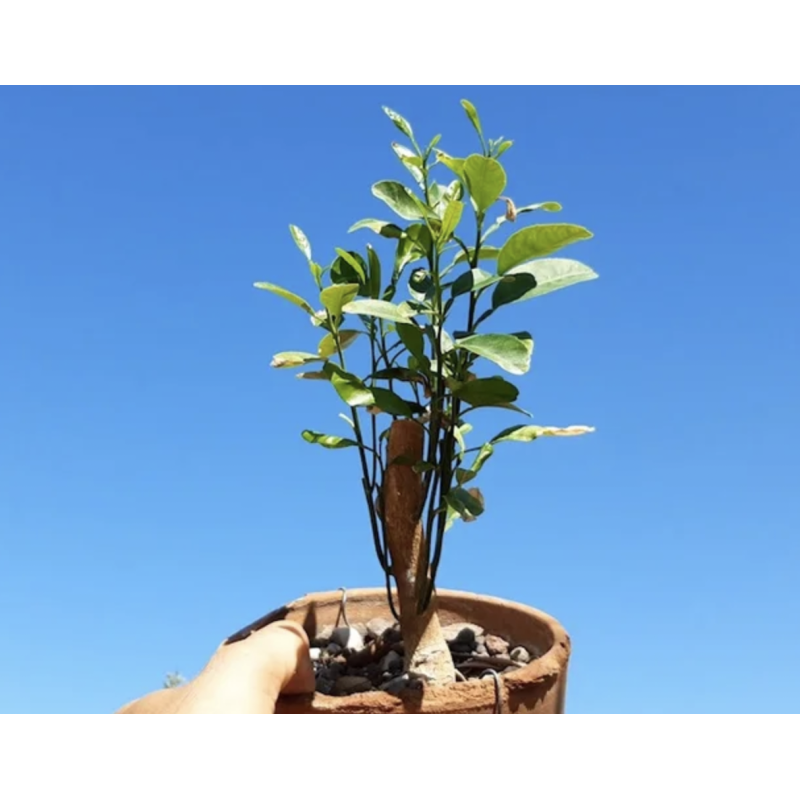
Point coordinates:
pixel 279 655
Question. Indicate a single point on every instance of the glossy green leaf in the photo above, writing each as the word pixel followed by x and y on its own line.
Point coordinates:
pixel 386 229
pixel 391 403
pixel 485 179
pixel 512 352
pixel 399 198
pixel 527 433
pixel 412 337
pixel 374 272
pixel 380 309
pixel 450 220
pixel 348 386
pixel 465 503
pixel 327 347
pixel 486 392
pixel 472 281
pixel 410 160
pixel 301 240
pixel 484 254
pixel 357 266
pixel 436 139
pixel 397 374
pixel 541 277
pixel 472 113
pixel 484 454
pixel 293 358
pixel 420 285
pixel 330 442
pixel 502 147
pixel 286 295
pixel 316 273
pixel 400 121
pixel 454 164
pixel 512 287
pixel 536 241
pixel 336 296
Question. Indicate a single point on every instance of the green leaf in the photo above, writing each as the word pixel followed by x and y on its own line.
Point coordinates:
pixel 301 240
pixel 349 387
pixel 512 352
pixel 286 295
pixel 397 374
pixel 527 433
pixel 410 161
pixel 353 262
pixel 502 147
pixel 399 198
pixel 374 272
pixel 452 216
pixel 380 309
pixel 541 277
pixel 473 281
pixel 316 272
pixel 327 347
pixel 484 254
pixel 472 113
pixel 328 441
pixel 386 229
pixel 401 122
pixel 486 392
pixel 420 285
pixel 485 179
pixel 411 336
pixel 454 164
pixel 459 432
pixel 336 296
pixel 293 358
pixel 436 139
pixel 465 503
pixel 391 403
pixel 512 287
pixel 537 240
pixel 484 454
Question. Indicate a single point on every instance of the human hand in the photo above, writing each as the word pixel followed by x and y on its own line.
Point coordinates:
pixel 245 677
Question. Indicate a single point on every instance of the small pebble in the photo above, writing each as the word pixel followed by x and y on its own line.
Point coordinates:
pixel 350 684
pixel 347 638
pixel 361 628
pixel 315 653
pixel 392 636
pixel 333 649
pixel 496 645
pixel 462 632
pixel 391 662
pixel 395 685
pixel 521 655
pixel 480 650
pixel 377 626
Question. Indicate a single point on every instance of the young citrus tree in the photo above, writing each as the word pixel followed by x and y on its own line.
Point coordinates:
pixel 427 322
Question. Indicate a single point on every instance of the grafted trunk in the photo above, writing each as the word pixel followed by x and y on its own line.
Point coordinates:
pixel 426 652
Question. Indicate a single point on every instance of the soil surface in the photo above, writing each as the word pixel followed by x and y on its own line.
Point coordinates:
pixel 365 658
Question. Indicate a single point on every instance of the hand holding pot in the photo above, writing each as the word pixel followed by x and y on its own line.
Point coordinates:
pixel 241 678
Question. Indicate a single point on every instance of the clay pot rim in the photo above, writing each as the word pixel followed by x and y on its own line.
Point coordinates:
pixel 550 663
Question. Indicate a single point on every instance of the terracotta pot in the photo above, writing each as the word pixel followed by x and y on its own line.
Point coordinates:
pixel 538 688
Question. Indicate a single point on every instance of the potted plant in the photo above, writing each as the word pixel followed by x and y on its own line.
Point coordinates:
pixel 418 326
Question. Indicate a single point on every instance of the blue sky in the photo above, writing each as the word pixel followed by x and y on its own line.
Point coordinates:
pixel 155 494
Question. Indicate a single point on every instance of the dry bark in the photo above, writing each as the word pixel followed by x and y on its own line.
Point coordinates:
pixel 426 652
